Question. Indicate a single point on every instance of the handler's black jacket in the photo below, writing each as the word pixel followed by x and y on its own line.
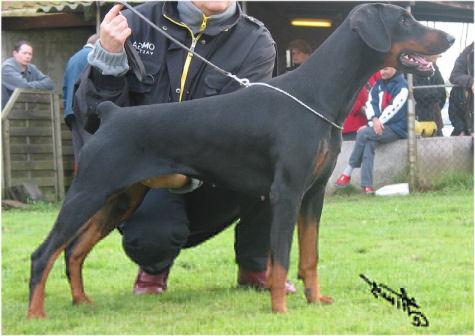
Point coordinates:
pixel 242 46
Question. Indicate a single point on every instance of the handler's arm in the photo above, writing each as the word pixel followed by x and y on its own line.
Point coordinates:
pixel 104 78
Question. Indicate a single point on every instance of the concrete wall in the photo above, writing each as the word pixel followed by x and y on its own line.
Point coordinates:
pixel 435 157
pixel 52 48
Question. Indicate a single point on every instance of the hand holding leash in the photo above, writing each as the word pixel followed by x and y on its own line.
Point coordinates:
pixel 114 30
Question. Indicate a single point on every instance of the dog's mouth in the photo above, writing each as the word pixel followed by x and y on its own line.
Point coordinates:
pixel 416 63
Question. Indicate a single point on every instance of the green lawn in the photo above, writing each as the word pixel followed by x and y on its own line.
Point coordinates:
pixel 423 242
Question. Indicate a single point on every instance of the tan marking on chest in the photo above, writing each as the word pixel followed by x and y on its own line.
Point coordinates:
pixel 171 181
pixel 320 157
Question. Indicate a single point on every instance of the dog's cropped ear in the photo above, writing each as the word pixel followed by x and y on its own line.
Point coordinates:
pixel 367 21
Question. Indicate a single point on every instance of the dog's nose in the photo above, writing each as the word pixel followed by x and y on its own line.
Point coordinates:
pixel 450 39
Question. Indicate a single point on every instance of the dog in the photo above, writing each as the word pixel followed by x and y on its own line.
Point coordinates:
pixel 279 149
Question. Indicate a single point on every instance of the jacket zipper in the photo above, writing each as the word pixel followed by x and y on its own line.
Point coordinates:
pixel 189 56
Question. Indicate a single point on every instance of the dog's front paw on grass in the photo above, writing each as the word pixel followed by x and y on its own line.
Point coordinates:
pixel 36 315
pixel 325 300
pixel 82 300
pixel 319 299
pixel 315 297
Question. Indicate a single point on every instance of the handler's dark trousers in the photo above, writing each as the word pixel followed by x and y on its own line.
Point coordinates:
pixel 363 151
pixel 166 222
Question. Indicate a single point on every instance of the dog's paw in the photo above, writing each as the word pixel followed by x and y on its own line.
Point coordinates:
pixel 279 310
pixel 40 314
pixel 82 300
pixel 317 298
pixel 326 300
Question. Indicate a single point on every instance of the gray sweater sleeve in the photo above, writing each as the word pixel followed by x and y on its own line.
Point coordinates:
pixel 114 64
pixel 13 79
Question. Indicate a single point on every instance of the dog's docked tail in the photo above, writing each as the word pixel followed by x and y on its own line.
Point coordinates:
pixel 105 109
pixel 93 120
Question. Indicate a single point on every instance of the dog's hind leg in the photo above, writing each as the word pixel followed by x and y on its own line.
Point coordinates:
pixel 308 226
pixel 64 230
pixel 40 268
pixel 78 208
pixel 118 208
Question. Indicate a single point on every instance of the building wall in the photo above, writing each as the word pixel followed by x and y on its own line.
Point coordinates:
pixel 51 48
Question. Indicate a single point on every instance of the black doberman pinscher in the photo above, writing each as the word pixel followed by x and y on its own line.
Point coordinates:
pixel 255 141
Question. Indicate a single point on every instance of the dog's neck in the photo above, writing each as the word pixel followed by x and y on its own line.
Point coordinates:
pixel 335 73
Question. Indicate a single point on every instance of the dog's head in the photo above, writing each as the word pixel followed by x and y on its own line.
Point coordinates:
pixel 402 41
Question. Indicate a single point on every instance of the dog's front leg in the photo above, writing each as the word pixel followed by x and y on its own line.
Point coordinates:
pixel 276 284
pixel 308 226
pixel 284 204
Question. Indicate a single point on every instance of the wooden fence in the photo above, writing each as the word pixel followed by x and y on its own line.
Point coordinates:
pixel 36 143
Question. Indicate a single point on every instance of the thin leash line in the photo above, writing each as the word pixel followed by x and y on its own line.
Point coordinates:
pixel 242 81
pixel 298 101
pixel 163 32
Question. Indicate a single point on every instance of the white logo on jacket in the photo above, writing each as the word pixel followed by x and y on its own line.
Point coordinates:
pixel 145 48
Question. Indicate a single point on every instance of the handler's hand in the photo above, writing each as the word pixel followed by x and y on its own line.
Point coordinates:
pixel 377 126
pixel 114 30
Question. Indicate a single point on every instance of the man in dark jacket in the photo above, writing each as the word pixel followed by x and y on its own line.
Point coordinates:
pixel 430 101
pixel 461 96
pixel 166 222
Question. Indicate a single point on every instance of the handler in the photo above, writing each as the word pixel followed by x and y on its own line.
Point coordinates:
pixel 166 222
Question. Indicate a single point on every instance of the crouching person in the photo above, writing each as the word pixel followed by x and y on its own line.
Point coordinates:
pixel 168 221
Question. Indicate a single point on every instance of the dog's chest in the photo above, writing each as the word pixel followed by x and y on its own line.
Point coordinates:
pixel 321 157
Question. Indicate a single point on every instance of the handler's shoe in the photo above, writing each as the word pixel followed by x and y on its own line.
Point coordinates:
pixel 257 280
pixel 368 190
pixel 342 181
pixel 151 283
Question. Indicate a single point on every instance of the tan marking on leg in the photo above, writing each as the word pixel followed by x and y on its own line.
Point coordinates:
pixel 98 227
pixel 308 260
pixel 268 268
pixel 83 246
pixel 277 278
pixel 136 193
pixel 171 181
pixel 36 306
pixel 307 234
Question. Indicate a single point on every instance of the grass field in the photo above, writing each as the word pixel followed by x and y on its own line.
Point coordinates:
pixel 423 242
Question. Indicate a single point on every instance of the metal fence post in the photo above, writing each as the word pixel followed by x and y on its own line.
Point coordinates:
pixel 411 136
pixel 411 129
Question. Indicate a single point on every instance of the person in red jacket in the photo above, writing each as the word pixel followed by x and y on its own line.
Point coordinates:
pixel 357 117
